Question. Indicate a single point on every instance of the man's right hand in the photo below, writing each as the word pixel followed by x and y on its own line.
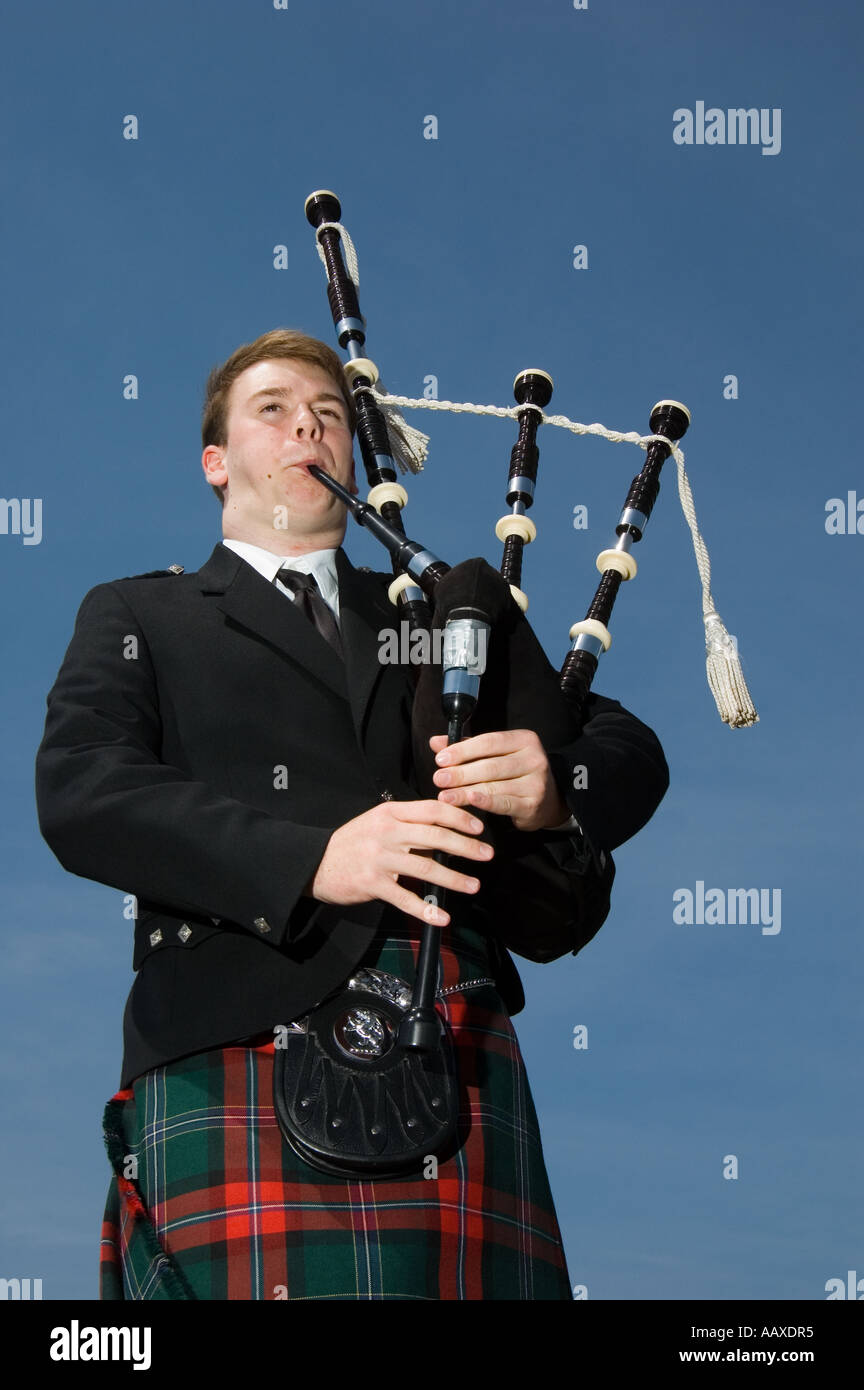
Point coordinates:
pixel 366 856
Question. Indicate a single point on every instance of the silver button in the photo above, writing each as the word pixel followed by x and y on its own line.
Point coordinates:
pixel 156 936
pixel 262 924
pixel 175 569
pixel 185 932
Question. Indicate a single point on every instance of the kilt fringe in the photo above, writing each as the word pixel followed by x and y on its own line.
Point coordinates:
pixel 161 1271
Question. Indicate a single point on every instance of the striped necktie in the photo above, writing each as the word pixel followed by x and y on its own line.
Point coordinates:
pixel 308 598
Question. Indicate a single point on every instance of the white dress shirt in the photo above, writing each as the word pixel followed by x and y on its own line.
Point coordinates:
pixel 321 564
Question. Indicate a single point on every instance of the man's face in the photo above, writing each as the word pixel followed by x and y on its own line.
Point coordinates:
pixel 282 416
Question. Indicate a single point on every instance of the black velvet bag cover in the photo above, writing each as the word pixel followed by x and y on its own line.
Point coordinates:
pixel 538 910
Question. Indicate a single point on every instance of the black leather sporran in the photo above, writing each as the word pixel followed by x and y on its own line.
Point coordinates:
pixel 349 1099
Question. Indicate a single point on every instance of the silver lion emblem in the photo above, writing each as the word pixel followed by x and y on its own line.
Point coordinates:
pixel 363 1033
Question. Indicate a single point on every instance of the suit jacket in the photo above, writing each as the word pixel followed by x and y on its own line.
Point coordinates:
pixel 201 745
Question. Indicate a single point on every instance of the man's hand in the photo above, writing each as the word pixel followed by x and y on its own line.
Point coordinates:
pixel 365 857
pixel 507 773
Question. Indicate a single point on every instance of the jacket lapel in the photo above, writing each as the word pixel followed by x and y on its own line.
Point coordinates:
pixel 364 610
pixel 246 598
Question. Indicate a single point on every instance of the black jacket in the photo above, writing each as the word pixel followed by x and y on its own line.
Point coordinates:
pixel 201 745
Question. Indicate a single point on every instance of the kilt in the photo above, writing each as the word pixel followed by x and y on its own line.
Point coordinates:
pixel 208 1201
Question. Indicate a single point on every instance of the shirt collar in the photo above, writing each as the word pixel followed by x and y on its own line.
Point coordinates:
pixel 320 563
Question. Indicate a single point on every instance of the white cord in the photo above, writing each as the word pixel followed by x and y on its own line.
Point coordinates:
pixel 410 447
pixel 350 253
pixel 723 665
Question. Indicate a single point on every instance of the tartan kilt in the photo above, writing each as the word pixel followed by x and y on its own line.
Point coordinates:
pixel 208 1201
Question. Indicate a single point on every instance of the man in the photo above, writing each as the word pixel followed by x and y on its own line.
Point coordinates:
pixel 235 753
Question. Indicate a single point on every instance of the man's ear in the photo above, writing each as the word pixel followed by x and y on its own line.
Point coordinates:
pixel 214 467
pixel 353 488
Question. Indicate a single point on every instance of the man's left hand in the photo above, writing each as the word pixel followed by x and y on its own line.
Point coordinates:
pixel 507 773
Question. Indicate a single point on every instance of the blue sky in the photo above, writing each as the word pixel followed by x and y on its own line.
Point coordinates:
pixel 555 129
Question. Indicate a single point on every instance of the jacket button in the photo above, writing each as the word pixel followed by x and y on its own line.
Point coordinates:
pixel 156 936
pixel 262 924
pixel 185 932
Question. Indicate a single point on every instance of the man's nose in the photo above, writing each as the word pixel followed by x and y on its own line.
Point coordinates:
pixel 306 423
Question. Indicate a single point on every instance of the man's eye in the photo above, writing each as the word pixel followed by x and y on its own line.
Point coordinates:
pixel 274 405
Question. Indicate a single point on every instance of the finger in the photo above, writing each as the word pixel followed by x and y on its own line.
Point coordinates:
pixel 426 838
pixel 501 798
pixel 524 762
pixel 434 813
pixel 486 745
pixel 522 789
pixel 524 814
pixel 413 905
pixel 416 865
pixel 473 796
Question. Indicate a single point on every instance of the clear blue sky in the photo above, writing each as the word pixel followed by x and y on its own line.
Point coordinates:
pixel 555 128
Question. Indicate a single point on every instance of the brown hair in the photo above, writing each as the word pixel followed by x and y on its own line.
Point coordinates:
pixel 287 343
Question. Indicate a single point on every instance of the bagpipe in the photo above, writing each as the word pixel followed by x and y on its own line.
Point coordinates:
pixel 381 1050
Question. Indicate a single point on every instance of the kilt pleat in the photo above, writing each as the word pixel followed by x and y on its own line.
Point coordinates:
pixel 207 1201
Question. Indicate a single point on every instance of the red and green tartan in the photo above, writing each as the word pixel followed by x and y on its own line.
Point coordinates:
pixel 223 1209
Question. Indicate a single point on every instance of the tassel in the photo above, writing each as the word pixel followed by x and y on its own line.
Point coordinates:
pixel 409 447
pixel 725 676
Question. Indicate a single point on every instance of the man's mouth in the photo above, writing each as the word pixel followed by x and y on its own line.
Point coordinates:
pixel 305 464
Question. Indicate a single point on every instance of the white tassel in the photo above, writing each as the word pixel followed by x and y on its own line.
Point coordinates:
pixel 409 447
pixel 725 676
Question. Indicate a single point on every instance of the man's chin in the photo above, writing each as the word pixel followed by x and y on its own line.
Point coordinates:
pixel 328 532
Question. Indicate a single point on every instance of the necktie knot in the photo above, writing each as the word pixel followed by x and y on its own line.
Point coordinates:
pixel 297 581
pixel 308 598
